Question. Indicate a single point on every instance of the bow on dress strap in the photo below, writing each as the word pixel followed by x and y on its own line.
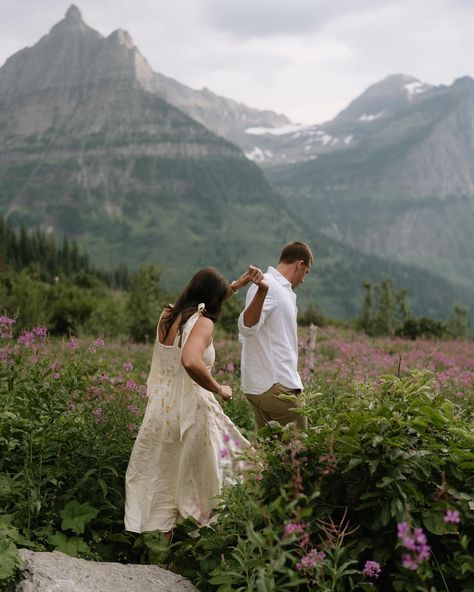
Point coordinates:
pixel 185 386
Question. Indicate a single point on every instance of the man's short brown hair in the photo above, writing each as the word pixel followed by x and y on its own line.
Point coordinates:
pixel 297 251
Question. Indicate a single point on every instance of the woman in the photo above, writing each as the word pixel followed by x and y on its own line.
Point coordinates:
pixel 186 445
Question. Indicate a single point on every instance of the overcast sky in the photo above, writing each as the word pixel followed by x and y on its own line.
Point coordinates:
pixel 305 58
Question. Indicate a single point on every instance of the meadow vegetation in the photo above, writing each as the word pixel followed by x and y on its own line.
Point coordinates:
pixel 377 493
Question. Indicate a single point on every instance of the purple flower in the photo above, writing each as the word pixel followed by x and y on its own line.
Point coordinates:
pixel 56 375
pixel 6 327
pixel 409 562
pixel 311 559
pixel 294 528
pixel 131 427
pixel 99 342
pixel 414 541
pixel 25 339
pixel 131 385
pixel 223 452
pixel 127 366
pixel 452 517
pixel 230 367
pixel 403 529
pixel 72 345
pixel 372 569
pixel 133 409
pixel 40 332
pixel 226 438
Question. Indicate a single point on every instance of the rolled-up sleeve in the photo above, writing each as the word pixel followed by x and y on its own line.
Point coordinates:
pixel 268 305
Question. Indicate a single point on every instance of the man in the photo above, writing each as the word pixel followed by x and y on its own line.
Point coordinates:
pixel 268 333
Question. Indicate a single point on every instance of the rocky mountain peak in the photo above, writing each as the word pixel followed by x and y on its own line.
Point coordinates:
pixel 383 99
pixel 73 15
pixel 72 22
pixel 464 82
pixel 122 37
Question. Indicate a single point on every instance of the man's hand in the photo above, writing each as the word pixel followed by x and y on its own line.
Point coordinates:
pixel 256 276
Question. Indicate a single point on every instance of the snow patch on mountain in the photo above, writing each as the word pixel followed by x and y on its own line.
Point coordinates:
pixel 276 131
pixel 259 155
pixel 415 88
pixel 371 117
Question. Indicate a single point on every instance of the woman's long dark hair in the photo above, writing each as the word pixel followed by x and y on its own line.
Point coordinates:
pixel 207 285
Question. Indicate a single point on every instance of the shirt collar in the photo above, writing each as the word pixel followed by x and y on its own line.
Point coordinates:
pixel 279 277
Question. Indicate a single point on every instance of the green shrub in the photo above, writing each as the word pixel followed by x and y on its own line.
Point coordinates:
pixel 66 432
pixel 374 457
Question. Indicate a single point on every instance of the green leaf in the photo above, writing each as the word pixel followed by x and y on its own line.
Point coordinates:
pixel 9 560
pixel 75 516
pixel 256 538
pixel 72 546
pixel 434 522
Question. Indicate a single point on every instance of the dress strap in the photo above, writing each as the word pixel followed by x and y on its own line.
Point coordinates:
pixel 188 327
pixel 186 396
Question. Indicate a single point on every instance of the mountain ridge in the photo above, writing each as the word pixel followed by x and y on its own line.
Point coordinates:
pixel 90 148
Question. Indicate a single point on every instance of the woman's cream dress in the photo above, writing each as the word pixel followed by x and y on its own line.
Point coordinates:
pixel 186 448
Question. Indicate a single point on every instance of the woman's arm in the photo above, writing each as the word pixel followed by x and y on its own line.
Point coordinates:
pixel 192 358
pixel 250 275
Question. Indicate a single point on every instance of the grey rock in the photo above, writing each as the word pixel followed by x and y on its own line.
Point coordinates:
pixel 56 572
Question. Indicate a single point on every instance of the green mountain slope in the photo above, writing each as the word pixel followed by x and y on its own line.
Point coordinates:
pixel 90 151
pixel 406 192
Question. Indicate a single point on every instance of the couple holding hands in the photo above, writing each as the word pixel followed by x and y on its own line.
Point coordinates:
pixel 183 454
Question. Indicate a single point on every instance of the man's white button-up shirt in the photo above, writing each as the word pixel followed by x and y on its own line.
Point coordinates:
pixel 270 347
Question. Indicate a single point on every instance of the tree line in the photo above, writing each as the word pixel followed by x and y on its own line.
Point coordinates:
pixel 47 281
pixel 50 259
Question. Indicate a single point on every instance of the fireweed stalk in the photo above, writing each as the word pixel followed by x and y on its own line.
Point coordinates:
pixel 415 543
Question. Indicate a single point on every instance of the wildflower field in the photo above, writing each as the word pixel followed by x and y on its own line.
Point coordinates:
pixel 377 493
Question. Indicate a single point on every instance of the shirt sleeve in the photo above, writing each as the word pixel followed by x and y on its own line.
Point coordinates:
pixel 268 305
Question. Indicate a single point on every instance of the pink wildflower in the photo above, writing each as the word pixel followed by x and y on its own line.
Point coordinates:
pixel 223 452
pixel 6 327
pixel 311 559
pixel 230 367
pixel 127 366
pixel 372 569
pixel 226 438
pixel 414 541
pixel 133 410
pixel 72 345
pixel 452 517
pixel 294 528
pixel 56 375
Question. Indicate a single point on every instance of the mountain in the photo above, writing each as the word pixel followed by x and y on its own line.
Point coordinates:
pixel 89 149
pixel 223 116
pixel 404 189
pixel 276 145
pixel 92 149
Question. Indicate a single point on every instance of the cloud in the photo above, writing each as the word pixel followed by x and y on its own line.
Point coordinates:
pixel 274 17
pixel 305 58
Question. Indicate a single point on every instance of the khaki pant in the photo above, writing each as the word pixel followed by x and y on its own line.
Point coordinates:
pixel 268 406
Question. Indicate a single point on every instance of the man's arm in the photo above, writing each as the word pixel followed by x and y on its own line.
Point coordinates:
pixel 259 304
pixel 253 312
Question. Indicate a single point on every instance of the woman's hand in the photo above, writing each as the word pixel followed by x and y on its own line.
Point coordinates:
pixel 225 392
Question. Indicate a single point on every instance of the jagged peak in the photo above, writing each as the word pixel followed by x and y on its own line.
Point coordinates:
pixel 72 21
pixel 122 37
pixel 73 15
